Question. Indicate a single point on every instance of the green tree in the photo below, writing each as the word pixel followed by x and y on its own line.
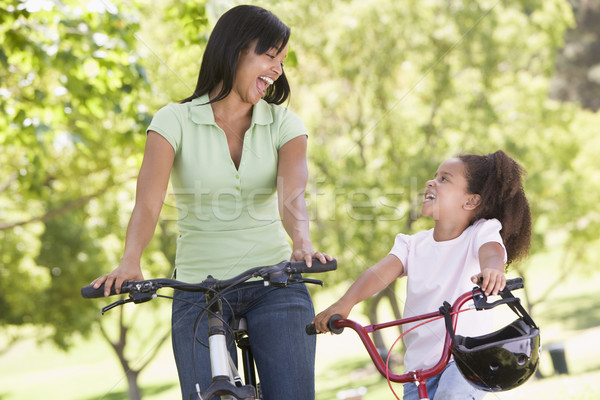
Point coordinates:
pixel 388 91
pixel 72 96
pixel 69 113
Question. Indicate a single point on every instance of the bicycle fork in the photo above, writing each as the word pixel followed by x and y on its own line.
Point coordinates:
pixel 226 381
pixel 240 332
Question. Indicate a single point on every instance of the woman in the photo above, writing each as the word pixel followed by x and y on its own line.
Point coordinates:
pixel 237 162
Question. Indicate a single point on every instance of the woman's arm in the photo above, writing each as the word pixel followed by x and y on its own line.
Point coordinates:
pixel 292 176
pixel 491 261
pixel 150 193
pixel 370 282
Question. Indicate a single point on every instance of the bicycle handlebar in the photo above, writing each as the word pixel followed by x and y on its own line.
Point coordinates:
pixel 337 325
pixel 89 292
pixel 481 303
pixel 513 284
pixel 311 329
pixel 276 275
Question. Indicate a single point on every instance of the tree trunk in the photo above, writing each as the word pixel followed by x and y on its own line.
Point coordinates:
pixel 119 348
pixel 135 392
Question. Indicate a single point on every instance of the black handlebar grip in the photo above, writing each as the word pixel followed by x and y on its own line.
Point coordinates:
pixel 312 330
pixel 317 266
pixel 89 292
pixel 511 284
pixel 331 324
pixel 514 284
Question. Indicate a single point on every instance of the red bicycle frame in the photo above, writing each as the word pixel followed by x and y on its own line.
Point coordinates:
pixel 420 376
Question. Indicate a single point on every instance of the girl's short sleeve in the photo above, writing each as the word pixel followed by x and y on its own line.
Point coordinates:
pixel 400 249
pixel 488 231
pixel 290 126
pixel 167 123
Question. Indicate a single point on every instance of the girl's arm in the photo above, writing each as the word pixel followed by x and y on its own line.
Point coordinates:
pixel 292 176
pixel 150 193
pixel 372 281
pixel 491 261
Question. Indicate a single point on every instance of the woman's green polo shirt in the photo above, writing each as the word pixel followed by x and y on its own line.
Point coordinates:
pixel 228 218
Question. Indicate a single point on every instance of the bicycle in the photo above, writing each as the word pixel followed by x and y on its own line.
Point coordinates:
pixel 498 361
pixel 226 380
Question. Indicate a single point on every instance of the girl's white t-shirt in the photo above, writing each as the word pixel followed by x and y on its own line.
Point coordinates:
pixel 438 272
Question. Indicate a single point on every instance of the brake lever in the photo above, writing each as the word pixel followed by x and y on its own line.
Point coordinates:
pixel 115 304
pixel 480 300
pixel 282 278
pixel 137 294
pixel 307 280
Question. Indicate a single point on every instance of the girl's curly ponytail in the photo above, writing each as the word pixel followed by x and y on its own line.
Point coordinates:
pixel 497 178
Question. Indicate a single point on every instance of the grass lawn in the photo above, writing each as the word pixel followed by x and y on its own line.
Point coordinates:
pixel 91 371
pixel 88 371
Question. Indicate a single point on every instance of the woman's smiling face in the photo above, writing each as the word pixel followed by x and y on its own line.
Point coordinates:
pixel 256 72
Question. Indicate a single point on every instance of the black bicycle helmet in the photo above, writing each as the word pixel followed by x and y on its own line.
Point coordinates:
pixel 501 360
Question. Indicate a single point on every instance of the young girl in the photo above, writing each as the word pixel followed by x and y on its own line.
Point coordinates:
pixel 482 223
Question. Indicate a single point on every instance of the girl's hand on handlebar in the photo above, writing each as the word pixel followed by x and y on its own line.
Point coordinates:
pixel 124 272
pixel 491 281
pixel 321 320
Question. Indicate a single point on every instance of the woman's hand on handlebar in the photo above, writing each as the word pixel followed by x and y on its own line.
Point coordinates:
pixel 321 320
pixel 126 271
pixel 307 253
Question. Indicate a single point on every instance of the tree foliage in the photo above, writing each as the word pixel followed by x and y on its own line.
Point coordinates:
pixel 71 121
pixel 387 89
pixel 75 104
pixel 390 91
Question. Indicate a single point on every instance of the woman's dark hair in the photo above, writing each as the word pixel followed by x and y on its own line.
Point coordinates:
pixel 233 33
pixel 497 178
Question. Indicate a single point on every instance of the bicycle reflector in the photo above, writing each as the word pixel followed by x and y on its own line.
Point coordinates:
pixel 501 360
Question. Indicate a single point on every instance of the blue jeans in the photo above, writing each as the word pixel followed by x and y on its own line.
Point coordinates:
pixel 447 385
pixel 284 354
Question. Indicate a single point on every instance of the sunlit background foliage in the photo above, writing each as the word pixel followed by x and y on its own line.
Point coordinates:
pixel 387 89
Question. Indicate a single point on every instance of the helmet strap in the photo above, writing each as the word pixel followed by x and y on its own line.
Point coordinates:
pixel 445 311
pixel 517 307
pixel 513 302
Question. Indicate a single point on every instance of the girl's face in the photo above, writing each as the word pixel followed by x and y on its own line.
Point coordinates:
pixel 446 195
pixel 256 72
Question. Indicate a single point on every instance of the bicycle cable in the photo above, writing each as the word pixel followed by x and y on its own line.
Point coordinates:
pixel 219 295
pixel 387 361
